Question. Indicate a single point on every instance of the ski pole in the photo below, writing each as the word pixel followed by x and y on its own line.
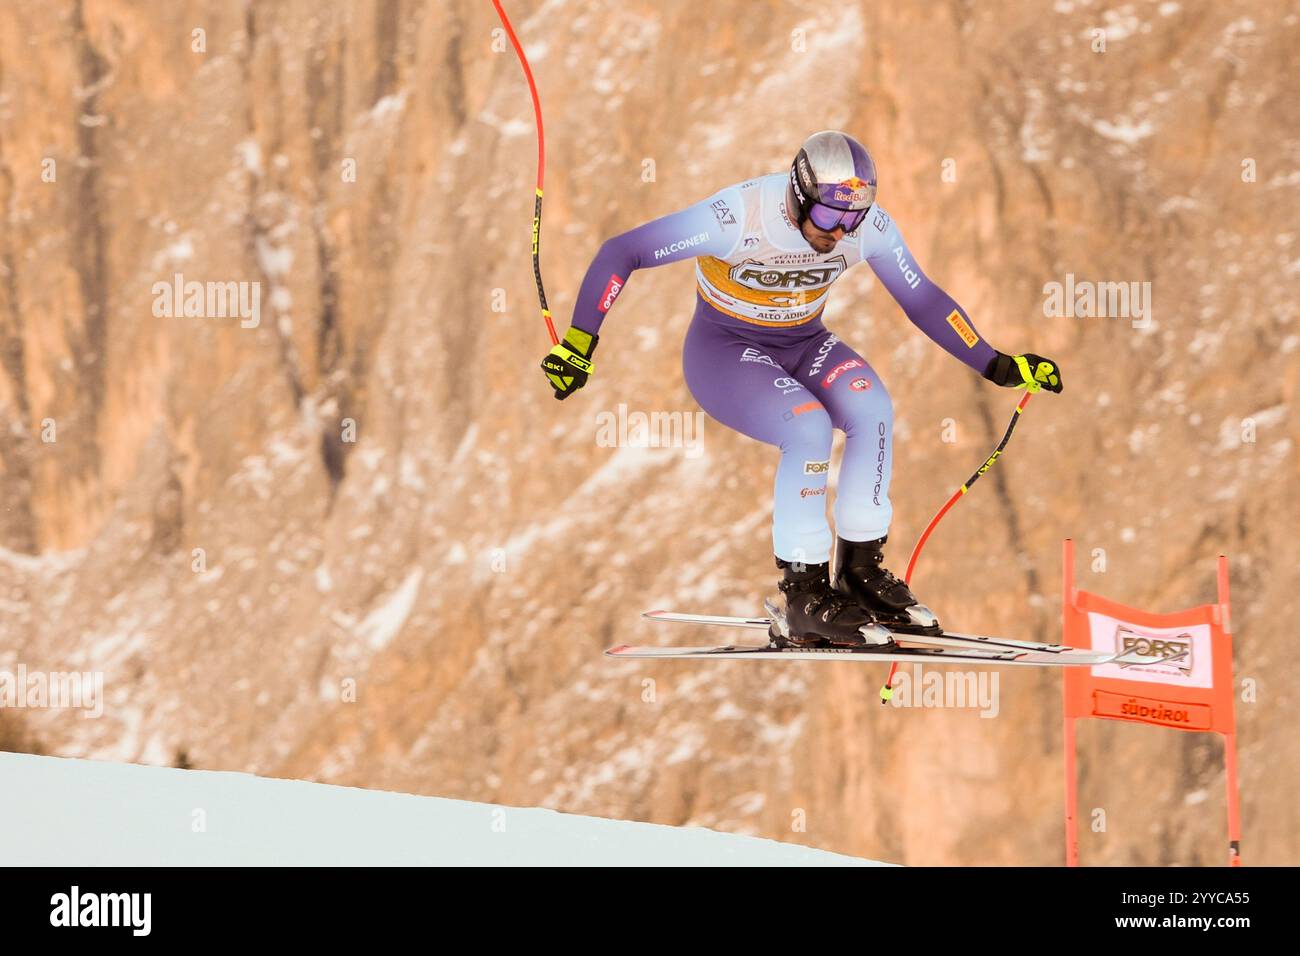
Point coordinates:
pixel 887 691
pixel 541 170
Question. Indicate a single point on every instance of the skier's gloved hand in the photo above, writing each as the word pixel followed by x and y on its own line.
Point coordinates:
pixel 568 365
pixel 1028 371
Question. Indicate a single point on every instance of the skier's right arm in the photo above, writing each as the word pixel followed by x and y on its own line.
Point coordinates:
pixel 708 228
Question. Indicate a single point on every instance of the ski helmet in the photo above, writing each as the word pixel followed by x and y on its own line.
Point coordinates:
pixel 833 181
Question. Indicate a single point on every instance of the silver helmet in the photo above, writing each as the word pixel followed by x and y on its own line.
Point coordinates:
pixel 832 170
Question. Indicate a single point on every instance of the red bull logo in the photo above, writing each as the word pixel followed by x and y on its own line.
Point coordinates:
pixel 853 190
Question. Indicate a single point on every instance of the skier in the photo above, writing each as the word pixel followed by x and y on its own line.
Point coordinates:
pixel 759 360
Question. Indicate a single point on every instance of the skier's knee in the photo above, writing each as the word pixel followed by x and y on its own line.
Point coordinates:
pixel 809 432
pixel 872 416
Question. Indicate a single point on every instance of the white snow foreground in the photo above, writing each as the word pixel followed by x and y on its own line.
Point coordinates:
pixel 61 811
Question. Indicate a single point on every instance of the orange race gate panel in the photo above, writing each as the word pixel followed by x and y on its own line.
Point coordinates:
pixel 1192 691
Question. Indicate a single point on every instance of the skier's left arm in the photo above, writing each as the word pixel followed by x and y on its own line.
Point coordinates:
pixel 939 316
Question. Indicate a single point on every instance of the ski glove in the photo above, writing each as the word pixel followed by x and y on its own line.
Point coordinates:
pixel 1028 371
pixel 568 365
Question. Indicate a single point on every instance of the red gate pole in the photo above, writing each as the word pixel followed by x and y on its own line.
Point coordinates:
pixel 1071 774
pixel 1230 740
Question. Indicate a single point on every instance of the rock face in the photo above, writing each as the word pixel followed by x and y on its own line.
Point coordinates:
pixel 350 538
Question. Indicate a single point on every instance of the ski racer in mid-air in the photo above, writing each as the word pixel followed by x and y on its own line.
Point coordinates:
pixel 759 360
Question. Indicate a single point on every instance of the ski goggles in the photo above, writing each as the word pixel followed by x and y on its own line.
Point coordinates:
pixel 828 218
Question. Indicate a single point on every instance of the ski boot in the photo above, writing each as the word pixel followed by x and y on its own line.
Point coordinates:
pixel 860 573
pixel 817 615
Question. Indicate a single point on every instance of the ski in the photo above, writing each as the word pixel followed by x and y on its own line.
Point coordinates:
pixel 770 653
pixel 951 639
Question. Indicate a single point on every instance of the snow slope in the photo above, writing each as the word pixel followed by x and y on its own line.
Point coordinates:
pixel 83 812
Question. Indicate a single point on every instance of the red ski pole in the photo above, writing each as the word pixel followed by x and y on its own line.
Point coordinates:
pixel 887 691
pixel 541 170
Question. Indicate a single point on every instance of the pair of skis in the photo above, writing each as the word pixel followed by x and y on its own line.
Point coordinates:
pixel 945 647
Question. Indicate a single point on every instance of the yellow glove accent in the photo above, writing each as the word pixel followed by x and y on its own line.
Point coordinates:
pixel 1034 380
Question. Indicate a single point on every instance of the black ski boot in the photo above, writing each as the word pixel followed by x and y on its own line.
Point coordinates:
pixel 817 615
pixel 860 573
